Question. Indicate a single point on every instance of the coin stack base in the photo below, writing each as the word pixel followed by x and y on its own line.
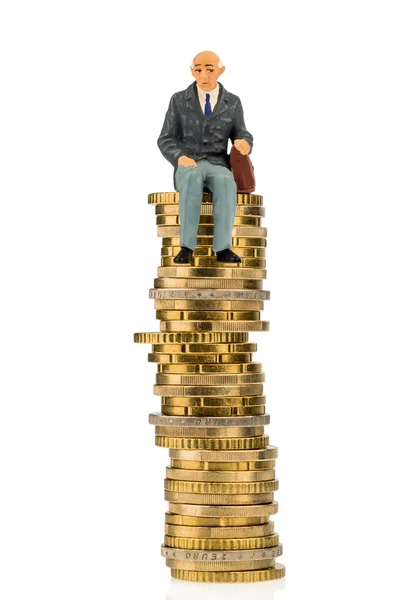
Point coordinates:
pixel 221 480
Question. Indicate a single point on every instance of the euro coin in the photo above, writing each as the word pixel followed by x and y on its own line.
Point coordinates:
pixel 222 499
pixel 208 230
pixel 173 198
pixel 217 521
pixel 194 510
pixel 250 220
pixel 179 443
pixel 200 359
pixel 234 555
pixel 249 367
pixel 206 432
pixel 274 573
pixel 219 476
pixel 207 423
pixel 212 337
pixel 266 453
pixel 207 487
pixel 207 315
pixel 204 348
pixel 211 304
pixel 214 326
pixel 207 209
pixel 219 532
pixel 250 389
pixel 223 565
pixel 208 283
pixel 237 272
pixel 214 401
pixel 212 412
pixel 251 543
pixel 206 251
pixel 208 294
pixel 239 466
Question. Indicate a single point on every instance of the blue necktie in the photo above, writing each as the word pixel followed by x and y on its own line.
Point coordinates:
pixel 207 110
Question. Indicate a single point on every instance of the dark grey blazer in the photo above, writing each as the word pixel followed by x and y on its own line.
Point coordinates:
pixel 187 131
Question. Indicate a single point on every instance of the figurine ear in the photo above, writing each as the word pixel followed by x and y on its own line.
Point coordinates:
pixel 221 70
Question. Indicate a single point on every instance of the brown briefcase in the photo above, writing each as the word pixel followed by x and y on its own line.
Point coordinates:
pixel 243 171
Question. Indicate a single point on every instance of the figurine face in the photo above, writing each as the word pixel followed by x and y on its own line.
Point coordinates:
pixel 206 70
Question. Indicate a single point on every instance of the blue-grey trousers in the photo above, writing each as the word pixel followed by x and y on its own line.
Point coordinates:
pixel 189 183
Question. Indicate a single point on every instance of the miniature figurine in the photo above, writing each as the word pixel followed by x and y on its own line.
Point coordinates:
pixel 198 124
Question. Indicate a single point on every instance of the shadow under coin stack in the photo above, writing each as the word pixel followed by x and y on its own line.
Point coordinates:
pixel 221 481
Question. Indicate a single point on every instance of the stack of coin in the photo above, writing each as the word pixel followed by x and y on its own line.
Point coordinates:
pixel 221 480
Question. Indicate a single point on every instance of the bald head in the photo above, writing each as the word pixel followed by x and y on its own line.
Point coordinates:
pixel 206 68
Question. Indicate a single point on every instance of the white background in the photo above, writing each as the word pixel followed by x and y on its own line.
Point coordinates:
pixel 84 90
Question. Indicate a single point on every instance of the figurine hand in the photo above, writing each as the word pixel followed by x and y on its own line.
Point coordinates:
pixel 242 146
pixel 185 161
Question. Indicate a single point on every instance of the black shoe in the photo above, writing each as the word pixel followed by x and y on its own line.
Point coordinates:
pixel 227 256
pixel 184 256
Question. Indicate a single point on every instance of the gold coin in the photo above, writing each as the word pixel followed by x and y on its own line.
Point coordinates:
pixel 207 209
pixel 208 283
pixel 219 476
pixel 276 572
pixel 207 251
pixel 214 326
pixel 223 466
pixel 206 359
pixel 208 315
pixel 196 510
pixel 237 455
pixel 251 543
pixel 205 432
pixel 214 337
pixel 171 220
pixel 206 368
pixel 214 305
pixel 255 199
pixel 211 443
pixel 250 389
pixel 237 272
pixel 206 379
pixel 210 261
pixel 204 348
pixel 224 499
pixel 214 402
pixel 202 240
pixel 247 242
pixel 173 198
pixel 219 532
pixel 227 555
pixel 170 198
pixel 219 566
pixel 207 487
pixel 217 521
pixel 208 231
pixel 238 411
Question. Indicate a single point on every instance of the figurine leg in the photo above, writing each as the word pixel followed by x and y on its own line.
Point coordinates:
pixel 223 187
pixel 189 183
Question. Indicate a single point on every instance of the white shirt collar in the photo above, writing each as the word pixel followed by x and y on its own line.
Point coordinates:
pixel 213 96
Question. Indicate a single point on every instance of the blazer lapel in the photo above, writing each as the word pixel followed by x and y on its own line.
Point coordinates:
pixel 222 103
pixel 192 98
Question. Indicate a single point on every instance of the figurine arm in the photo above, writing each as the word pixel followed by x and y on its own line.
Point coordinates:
pixel 169 138
pixel 239 131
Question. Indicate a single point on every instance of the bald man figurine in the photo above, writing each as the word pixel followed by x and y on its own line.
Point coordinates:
pixel 199 122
